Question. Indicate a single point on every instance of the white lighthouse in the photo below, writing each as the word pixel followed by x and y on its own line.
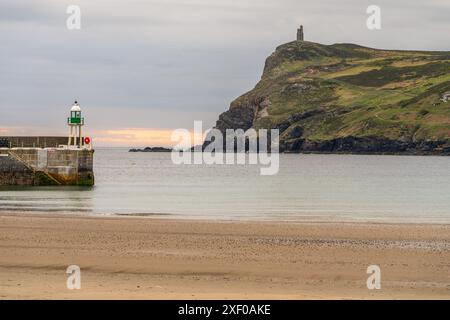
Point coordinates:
pixel 75 122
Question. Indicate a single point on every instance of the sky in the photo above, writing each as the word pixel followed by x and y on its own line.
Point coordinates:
pixel 142 68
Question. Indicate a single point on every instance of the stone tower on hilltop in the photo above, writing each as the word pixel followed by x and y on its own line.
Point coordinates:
pixel 300 34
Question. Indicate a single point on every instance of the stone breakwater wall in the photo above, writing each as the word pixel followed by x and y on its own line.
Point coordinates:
pixel 33 142
pixel 13 172
pixel 46 166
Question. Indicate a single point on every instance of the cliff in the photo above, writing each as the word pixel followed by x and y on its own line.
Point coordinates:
pixel 349 98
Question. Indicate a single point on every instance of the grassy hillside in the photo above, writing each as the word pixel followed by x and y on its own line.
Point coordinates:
pixel 320 93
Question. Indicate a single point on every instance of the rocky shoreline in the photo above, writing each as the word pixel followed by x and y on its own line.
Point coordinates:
pixel 366 145
pixel 292 139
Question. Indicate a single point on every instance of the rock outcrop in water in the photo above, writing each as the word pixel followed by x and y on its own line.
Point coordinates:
pixel 152 149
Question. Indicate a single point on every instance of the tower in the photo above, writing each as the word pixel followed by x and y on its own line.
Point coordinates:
pixel 300 34
pixel 75 122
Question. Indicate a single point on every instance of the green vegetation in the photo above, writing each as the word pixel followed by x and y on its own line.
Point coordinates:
pixel 358 92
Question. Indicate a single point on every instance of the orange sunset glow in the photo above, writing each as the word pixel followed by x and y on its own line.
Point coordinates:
pixel 120 137
pixel 138 137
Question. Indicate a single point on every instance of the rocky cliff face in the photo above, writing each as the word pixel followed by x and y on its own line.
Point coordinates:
pixel 348 98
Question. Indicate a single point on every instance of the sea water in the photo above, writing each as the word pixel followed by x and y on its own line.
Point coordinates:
pixel 311 187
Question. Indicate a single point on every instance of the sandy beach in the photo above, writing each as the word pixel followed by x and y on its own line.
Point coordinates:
pixel 147 258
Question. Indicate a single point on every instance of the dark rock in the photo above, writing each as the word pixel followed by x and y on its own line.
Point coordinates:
pixel 152 149
pixel 239 117
pixel 296 132
pixel 366 145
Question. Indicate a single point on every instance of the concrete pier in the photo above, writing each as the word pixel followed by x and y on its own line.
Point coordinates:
pixel 40 166
pixel 32 142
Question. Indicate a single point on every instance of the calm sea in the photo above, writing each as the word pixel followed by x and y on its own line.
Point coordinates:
pixel 308 187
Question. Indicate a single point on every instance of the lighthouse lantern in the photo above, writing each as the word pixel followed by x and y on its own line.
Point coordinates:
pixel 75 122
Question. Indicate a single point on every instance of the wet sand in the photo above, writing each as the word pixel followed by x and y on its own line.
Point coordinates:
pixel 149 258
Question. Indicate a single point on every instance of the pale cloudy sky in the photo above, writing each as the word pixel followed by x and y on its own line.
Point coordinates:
pixel 141 68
